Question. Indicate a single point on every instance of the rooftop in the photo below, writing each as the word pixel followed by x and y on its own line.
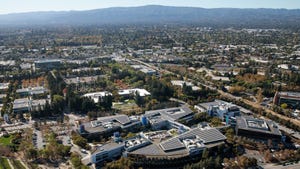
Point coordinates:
pixel 122 119
pixel 135 143
pixel 106 123
pixel 95 96
pixel 257 125
pixel 87 79
pixel 180 144
pixel 180 83
pixel 108 147
pixel 47 61
pixel 220 103
pixel 207 135
pixel 173 114
pixel 4 86
pixel 289 94
pixel 32 90
pixel 141 92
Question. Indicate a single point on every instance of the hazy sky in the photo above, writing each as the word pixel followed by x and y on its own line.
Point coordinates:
pixel 13 6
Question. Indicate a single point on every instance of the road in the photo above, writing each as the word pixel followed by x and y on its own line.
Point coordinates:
pixel 179 101
pixel 273 166
pixel 228 95
pixel 258 106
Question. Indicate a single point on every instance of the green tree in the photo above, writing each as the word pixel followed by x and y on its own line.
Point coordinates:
pixel 284 105
pixel 31 153
pixel 215 121
pixel 122 163
pixel 229 134
pixel 58 103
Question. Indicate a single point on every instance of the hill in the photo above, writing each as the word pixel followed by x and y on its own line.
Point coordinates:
pixel 221 17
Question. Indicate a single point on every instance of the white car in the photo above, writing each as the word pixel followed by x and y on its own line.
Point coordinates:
pixel 83 151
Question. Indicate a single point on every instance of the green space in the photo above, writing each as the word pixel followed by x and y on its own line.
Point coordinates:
pixel 17 164
pixel 125 106
pixel 6 140
pixel 4 163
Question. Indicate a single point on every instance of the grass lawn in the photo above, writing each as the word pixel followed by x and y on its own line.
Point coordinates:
pixel 6 140
pixel 4 163
pixel 17 164
pixel 125 106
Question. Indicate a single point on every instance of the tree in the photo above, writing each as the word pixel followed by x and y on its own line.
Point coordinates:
pixel 215 121
pixel 246 162
pixel 138 99
pixel 31 153
pixel 58 103
pixel 284 105
pixel 80 141
pixel 122 163
pixel 76 162
pixel 229 134
pixel 87 105
pixel 205 154
pixel 106 102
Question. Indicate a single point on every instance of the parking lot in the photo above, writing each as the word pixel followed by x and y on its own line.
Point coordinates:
pixel 38 140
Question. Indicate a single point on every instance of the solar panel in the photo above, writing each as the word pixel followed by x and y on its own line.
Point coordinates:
pixel 172 144
pixel 207 135
pixel 149 150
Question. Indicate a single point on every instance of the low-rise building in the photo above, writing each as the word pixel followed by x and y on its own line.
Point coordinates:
pixel 257 128
pixel 144 69
pixel 31 91
pixel 47 64
pixel 219 109
pixel 292 99
pixel 106 126
pixel 140 92
pixel 83 80
pixel 109 151
pixel 4 87
pixel 181 83
pixel 189 143
pixel 28 104
pixel 97 96
pixel 169 114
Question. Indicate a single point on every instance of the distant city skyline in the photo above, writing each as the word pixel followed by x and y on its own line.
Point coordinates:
pixel 18 6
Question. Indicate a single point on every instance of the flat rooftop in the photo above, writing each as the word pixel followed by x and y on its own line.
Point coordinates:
pixel 32 90
pixel 122 119
pixel 47 61
pixel 257 125
pixel 207 135
pixel 221 102
pixel 290 94
pixel 141 92
pixel 2 96
pixel 106 123
pixel 87 79
pixel 4 86
pixel 96 95
pixel 175 146
pixel 155 151
pixel 173 113
pixel 180 83
pixel 108 147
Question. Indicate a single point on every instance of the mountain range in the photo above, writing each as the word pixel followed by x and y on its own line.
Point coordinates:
pixel 154 14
